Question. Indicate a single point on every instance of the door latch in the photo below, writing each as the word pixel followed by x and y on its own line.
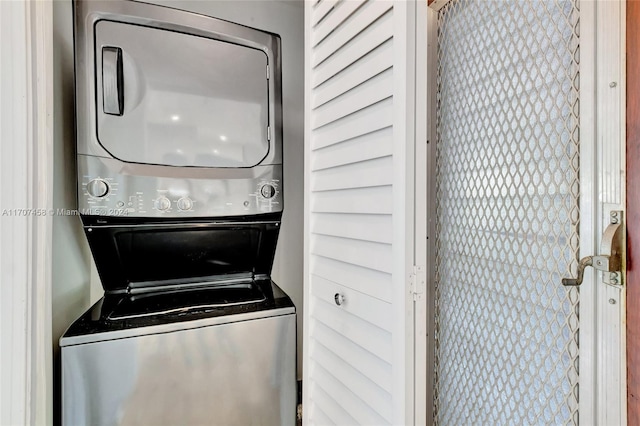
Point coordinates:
pixel 610 260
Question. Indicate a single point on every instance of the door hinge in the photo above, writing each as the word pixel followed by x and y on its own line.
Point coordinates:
pixel 418 282
pixel 269 133
pixel 268 73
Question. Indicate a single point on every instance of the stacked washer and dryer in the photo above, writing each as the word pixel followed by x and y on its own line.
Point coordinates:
pixel 179 157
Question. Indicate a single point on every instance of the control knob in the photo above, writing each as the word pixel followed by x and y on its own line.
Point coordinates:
pixel 97 188
pixel 163 203
pixel 185 203
pixel 267 190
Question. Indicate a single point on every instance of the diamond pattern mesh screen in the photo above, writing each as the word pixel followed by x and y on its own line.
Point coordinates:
pixel 507 213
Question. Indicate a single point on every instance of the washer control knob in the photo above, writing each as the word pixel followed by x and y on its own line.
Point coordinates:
pixel 267 190
pixel 185 203
pixel 97 188
pixel 163 203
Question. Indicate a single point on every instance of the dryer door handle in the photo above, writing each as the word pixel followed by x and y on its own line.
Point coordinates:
pixel 112 81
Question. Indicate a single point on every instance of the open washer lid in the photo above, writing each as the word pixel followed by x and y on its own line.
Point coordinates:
pixel 134 255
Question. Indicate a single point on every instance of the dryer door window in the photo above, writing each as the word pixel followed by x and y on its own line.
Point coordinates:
pixel 175 99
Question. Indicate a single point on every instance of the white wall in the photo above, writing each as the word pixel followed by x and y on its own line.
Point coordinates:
pixel 71 257
pixel 72 270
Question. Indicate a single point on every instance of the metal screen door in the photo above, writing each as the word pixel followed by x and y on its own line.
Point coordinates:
pixel 507 212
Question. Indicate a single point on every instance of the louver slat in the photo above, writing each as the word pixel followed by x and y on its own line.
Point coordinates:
pixel 371 145
pixel 373 63
pixel 354 355
pixel 376 283
pixel 341 12
pixel 359 410
pixel 322 10
pixel 351 28
pixel 369 39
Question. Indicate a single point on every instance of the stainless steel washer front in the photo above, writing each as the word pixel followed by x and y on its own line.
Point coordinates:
pixel 207 372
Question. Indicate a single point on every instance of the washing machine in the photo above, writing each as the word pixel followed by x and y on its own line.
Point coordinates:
pixel 179 160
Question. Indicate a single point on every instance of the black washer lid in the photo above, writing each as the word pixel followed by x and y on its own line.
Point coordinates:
pixel 134 254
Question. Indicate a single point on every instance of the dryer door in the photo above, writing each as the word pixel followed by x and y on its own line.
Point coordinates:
pixel 167 98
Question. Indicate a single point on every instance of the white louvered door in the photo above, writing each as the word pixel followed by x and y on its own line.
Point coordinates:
pixel 359 213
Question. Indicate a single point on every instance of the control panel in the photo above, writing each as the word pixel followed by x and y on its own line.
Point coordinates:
pixel 250 191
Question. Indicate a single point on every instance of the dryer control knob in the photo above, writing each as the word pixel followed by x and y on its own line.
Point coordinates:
pixel 163 203
pixel 268 190
pixel 185 203
pixel 97 188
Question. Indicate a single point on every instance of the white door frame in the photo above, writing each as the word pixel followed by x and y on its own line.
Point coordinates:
pixel 26 172
pixel 609 18
pixel 602 115
pixel 407 244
